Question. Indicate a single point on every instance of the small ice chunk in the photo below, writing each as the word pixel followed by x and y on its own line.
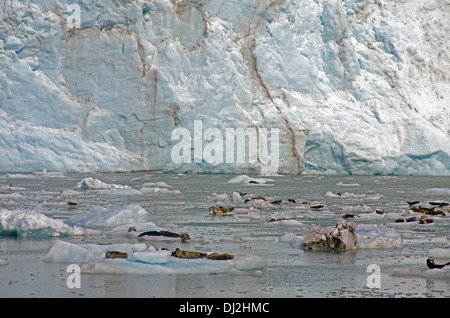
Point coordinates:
pixel 159 184
pixel 296 241
pixel 246 179
pixel 347 184
pixel 155 190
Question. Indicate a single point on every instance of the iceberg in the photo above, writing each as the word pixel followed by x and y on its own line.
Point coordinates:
pixel 31 223
pixel 104 188
pixel 90 183
pixel 102 87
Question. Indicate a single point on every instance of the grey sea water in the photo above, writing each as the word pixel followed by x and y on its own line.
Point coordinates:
pixel 289 272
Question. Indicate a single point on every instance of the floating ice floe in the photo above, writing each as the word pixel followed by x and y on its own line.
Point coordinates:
pixel 347 184
pixel 32 223
pixel 11 187
pixel 158 184
pixel 138 228
pixel 286 222
pixel 140 261
pixel 422 272
pixel 155 190
pixel 350 195
pixel 243 179
pixel 101 187
pixel 100 217
pixel 376 236
pixel 296 241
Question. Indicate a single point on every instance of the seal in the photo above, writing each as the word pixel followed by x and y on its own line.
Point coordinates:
pixel 276 220
pixel 431 264
pixel 255 198
pixel 435 213
pixel 183 236
pixel 220 209
pixel 193 255
pixel 421 209
pixel 441 204
pixel 276 202
pixel 115 254
pixel 349 215
pixel 219 257
pixel 187 254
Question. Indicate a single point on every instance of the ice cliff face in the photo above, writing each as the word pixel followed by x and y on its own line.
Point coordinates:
pixel 357 87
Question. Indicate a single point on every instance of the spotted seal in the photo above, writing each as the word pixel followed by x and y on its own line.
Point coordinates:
pixel 193 255
pixel 431 264
pixel 187 254
pixel 220 209
pixel 183 236
pixel 116 254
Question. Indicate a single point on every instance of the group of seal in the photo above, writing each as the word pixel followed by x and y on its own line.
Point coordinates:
pixel 192 255
pixel 178 253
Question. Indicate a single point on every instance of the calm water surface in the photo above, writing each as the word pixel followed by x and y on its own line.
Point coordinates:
pixel 290 271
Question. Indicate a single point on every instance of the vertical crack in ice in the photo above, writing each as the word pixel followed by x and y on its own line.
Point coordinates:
pixel 260 82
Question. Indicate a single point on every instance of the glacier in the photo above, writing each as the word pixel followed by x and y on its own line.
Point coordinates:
pixel 354 87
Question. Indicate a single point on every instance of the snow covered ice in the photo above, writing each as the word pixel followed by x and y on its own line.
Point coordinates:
pixel 353 87
pixel 32 223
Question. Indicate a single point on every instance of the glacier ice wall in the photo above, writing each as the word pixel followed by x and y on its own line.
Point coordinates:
pixel 358 87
